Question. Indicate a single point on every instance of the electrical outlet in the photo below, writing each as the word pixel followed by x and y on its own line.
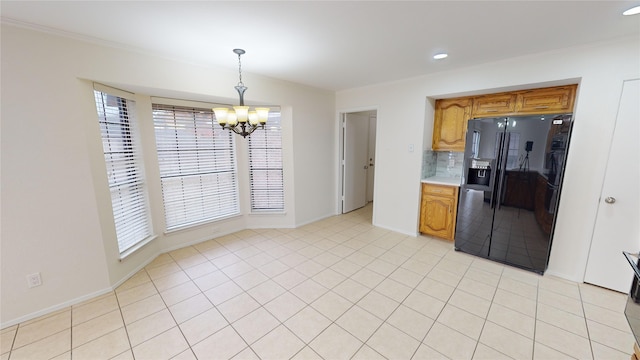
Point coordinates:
pixel 34 280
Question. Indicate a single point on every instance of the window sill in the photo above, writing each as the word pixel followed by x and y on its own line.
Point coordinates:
pixel 136 247
pixel 193 225
pixel 263 213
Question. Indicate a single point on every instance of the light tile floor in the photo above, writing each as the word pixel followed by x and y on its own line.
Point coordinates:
pixel 339 288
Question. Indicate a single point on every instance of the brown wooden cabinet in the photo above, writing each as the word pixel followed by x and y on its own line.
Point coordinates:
pixel 494 105
pixel 450 123
pixel 519 189
pixel 557 99
pixel 451 115
pixel 543 216
pixel 438 210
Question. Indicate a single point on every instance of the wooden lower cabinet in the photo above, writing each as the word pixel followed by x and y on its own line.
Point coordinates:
pixel 519 189
pixel 541 200
pixel 438 209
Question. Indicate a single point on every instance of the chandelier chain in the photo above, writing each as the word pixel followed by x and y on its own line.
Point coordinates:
pixel 240 70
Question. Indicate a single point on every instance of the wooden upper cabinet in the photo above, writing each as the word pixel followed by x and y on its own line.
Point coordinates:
pixel 557 99
pixel 494 105
pixel 450 123
pixel 451 115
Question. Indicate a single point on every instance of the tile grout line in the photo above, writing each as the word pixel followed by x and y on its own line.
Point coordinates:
pixel 124 323
pixel 173 316
pixel 486 318
pixel 229 324
pixel 535 321
pixel 399 250
pixel 586 324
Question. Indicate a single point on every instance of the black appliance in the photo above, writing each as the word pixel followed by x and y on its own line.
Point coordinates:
pixel 632 308
pixel 511 182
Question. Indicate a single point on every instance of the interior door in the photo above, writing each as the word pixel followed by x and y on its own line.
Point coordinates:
pixel 371 158
pixel 356 137
pixel 616 227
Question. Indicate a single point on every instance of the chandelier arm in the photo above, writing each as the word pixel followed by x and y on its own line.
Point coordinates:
pixel 243 129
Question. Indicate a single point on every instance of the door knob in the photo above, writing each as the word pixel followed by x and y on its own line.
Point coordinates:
pixel 609 200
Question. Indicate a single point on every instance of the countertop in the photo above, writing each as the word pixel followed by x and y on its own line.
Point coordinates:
pixel 442 180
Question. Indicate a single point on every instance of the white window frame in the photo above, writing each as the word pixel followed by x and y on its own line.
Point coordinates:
pixel 475 146
pixel 125 168
pixel 513 151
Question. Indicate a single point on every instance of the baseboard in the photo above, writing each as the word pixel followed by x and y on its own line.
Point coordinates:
pixel 562 276
pixel 54 308
pixel 198 241
pixel 77 300
pixel 314 220
pixel 414 234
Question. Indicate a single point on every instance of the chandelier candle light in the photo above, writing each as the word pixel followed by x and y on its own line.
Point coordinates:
pixel 236 120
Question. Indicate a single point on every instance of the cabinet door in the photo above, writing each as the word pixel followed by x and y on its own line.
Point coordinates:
pixel 438 212
pixel 450 123
pixel 494 105
pixel 546 100
pixel 437 216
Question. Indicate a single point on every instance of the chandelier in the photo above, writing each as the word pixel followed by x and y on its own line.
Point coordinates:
pixel 241 119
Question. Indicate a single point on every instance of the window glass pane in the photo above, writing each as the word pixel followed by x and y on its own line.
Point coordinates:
pixel 475 146
pixel 197 166
pixel 124 169
pixel 265 165
pixel 514 147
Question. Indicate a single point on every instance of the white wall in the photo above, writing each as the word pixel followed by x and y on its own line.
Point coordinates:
pixel 55 214
pixel 405 116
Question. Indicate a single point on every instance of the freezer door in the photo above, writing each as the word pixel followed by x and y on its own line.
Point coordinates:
pixel 473 226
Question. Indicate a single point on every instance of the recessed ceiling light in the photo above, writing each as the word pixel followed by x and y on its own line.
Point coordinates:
pixel 440 56
pixel 632 11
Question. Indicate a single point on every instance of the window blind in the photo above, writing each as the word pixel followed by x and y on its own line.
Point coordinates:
pixel 265 166
pixel 197 166
pixel 119 133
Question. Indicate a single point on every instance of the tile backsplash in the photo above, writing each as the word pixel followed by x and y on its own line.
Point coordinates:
pixel 429 163
pixel 442 163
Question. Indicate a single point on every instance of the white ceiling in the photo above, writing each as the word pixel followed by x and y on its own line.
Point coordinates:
pixel 333 45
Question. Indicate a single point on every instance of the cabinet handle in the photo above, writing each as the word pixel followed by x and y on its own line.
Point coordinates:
pixel 491 110
pixel 542 107
pixel 449 209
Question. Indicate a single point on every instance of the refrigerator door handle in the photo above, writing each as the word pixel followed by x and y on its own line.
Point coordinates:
pixel 502 169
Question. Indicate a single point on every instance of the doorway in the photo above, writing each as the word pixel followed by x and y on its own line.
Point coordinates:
pixel 358 137
pixel 616 228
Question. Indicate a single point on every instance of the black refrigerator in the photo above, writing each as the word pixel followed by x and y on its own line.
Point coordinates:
pixel 511 184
